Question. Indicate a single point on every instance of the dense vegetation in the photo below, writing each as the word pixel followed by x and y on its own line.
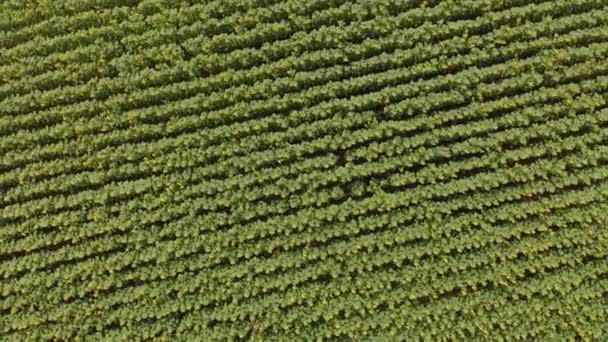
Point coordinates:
pixel 301 170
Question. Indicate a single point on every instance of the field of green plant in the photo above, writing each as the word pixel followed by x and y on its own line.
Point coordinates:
pixel 302 170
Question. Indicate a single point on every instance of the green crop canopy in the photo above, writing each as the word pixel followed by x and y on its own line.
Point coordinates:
pixel 304 170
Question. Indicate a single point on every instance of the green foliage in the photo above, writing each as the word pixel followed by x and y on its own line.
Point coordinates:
pixel 304 170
